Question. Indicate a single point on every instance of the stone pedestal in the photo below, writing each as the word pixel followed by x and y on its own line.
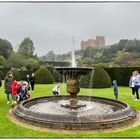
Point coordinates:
pixel 73 88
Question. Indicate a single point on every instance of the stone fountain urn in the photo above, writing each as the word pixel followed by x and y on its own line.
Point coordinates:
pixel 73 83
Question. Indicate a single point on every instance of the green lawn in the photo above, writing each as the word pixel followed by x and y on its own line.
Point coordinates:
pixel 11 130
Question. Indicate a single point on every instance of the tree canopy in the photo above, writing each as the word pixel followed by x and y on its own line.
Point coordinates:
pixel 15 60
pixel 2 60
pixel 5 48
pixel 26 47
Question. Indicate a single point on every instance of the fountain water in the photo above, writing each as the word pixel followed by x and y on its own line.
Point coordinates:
pixel 73 62
pixel 75 112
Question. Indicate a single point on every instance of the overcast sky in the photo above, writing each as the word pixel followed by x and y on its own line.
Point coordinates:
pixel 51 26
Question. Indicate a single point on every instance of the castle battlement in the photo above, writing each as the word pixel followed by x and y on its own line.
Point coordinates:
pixel 99 42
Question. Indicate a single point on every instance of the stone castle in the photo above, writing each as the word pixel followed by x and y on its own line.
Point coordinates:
pixel 99 42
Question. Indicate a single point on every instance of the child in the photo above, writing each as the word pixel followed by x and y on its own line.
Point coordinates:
pixel 24 93
pixel 115 89
pixel 56 90
pixel 15 87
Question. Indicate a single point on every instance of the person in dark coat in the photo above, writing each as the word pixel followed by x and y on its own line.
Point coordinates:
pixel 32 81
pixel 115 86
pixel 8 85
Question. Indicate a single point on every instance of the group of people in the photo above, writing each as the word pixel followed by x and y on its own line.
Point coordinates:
pixel 134 84
pixel 22 90
pixel 18 90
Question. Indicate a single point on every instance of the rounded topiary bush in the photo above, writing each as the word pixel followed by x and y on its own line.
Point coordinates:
pixel 16 74
pixel 23 74
pixel 43 76
pixel 100 79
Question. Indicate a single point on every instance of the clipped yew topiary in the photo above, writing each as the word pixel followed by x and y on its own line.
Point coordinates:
pixel 16 74
pixel 100 79
pixel 43 76
pixel 1 75
pixel 57 76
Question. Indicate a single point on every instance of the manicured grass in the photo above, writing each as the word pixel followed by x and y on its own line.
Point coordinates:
pixel 11 130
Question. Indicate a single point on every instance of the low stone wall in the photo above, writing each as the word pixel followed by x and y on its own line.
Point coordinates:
pixel 88 122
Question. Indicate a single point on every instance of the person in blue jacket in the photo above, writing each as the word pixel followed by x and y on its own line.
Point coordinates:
pixel 115 87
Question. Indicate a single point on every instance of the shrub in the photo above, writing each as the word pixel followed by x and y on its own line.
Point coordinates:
pixel 15 60
pixel 23 68
pixel 2 60
pixel 43 76
pixel 122 74
pixel 57 76
pixel 23 74
pixel 16 74
pixel 4 70
pixel 33 63
pixel 1 75
pixel 100 79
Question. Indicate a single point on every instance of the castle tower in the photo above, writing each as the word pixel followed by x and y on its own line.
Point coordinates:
pixel 100 40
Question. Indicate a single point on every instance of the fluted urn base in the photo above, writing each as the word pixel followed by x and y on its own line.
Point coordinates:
pixel 73 88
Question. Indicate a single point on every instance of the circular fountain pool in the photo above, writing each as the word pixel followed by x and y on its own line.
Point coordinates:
pixel 95 113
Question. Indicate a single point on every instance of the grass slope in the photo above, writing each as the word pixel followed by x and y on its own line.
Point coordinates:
pixel 10 130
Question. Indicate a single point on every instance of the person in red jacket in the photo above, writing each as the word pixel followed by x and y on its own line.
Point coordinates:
pixel 15 87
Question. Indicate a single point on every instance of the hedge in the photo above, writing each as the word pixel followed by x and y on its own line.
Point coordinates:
pixel 100 79
pixel 16 74
pixel 1 75
pixel 4 71
pixel 122 74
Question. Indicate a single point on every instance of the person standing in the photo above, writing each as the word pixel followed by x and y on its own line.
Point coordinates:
pixel 28 81
pixel 32 81
pixel 115 87
pixel 138 76
pixel 132 84
pixel 8 85
pixel 137 84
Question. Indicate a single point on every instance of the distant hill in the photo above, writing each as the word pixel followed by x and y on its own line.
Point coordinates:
pixel 124 53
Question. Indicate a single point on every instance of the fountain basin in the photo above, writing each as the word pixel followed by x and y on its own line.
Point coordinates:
pixel 99 113
pixel 74 70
